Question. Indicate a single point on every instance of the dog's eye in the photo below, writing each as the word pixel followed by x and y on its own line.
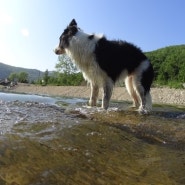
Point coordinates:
pixel 61 44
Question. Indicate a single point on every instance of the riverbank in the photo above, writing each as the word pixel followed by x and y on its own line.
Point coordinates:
pixel 159 95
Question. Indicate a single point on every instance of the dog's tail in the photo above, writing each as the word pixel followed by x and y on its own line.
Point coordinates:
pixel 148 99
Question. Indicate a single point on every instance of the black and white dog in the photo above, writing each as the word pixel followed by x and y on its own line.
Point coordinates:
pixel 104 62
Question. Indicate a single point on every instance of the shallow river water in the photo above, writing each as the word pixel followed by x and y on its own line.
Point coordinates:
pixel 58 141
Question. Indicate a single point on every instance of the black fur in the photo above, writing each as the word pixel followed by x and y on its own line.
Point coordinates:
pixel 70 31
pixel 115 56
pixel 91 37
pixel 147 78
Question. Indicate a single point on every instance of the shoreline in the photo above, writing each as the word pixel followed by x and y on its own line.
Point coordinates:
pixel 162 95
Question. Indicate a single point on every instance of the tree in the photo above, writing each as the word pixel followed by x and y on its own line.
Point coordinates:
pixel 65 65
pixel 13 77
pixel 67 73
pixel 46 77
pixel 169 65
pixel 20 77
pixel 23 77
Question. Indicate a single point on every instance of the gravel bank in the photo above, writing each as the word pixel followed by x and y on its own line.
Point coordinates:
pixel 159 95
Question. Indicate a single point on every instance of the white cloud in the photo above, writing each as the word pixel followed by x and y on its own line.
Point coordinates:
pixel 25 32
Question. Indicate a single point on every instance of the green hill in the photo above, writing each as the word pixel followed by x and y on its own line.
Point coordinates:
pixel 169 65
pixel 6 70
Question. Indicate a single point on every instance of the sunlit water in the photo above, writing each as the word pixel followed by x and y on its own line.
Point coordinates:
pixel 50 141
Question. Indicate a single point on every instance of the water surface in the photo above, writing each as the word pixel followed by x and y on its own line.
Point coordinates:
pixel 47 140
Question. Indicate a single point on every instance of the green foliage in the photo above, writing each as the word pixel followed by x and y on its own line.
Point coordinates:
pixel 46 77
pixel 65 65
pixel 23 77
pixel 20 77
pixel 65 79
pixel 66 74
pixel 169 65
pixel 13 77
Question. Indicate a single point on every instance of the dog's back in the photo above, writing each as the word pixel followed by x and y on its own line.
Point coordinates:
pixel 116 56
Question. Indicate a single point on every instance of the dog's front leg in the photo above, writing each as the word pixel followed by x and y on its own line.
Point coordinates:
pixel 94 94
pixel 107 93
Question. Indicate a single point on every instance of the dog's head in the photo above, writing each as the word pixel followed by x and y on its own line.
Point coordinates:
pixel 64 39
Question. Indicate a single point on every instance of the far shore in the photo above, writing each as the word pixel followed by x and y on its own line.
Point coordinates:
pixel 159 95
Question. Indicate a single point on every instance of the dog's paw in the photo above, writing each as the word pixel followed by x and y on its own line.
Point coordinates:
pixel 143 111
pixel 91 103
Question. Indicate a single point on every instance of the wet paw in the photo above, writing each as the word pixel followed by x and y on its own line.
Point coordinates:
pixel 91 103
pixel 143 111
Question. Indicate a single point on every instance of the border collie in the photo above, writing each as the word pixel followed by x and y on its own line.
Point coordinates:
pixel 104 62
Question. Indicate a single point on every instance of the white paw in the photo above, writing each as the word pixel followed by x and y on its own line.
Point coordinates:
pixel 142 111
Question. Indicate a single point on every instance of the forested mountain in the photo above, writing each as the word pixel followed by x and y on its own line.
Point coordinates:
pixel 169 65
pixel 6 70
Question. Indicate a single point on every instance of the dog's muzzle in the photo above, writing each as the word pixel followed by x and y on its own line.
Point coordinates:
pixel 59 51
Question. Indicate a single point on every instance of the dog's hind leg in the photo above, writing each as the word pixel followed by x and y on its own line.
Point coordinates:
pixel 148 101
pixel 107 93
pixel 142 81
pixel 131 91
pixel 94 94
pixel 140 93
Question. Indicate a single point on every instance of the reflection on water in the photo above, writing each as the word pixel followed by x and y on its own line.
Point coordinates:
pixel 8 97
pixel 45 144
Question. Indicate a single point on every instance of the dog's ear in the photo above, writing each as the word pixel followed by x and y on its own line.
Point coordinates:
pixel 73 23
pixel 72 30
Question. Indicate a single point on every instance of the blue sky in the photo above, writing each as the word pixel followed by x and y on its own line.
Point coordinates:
pixel 30 29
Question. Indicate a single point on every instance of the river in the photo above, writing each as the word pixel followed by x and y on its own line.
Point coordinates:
pixel 55 141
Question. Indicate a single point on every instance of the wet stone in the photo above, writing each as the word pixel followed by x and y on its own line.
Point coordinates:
pixel 71 143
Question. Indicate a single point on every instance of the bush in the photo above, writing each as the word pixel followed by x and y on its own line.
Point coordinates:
pixel 169 65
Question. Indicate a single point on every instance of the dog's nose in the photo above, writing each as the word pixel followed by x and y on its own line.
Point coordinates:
pixel 56 51
pixel 59 51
